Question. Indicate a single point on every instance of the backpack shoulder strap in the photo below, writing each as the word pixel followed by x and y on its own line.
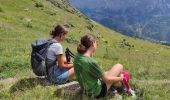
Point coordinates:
pixel 50 41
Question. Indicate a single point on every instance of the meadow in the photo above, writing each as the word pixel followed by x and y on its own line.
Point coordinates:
pixel 24 21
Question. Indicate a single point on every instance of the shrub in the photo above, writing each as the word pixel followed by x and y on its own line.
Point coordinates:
pixel 72 39
pixel 50 13
pixel 1 10
pixel 29 25
pixel 39 4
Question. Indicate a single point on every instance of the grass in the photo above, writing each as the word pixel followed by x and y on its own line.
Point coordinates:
pixel 22 22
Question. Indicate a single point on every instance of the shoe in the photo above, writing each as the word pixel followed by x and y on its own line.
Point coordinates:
pixel 132 92
pixel 121 89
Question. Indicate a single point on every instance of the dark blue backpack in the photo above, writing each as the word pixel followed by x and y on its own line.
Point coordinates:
pixel 38 56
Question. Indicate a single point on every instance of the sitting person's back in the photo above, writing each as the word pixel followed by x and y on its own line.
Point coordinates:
pixel 93 80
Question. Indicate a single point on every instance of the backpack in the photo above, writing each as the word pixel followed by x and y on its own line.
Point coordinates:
pixel 38 56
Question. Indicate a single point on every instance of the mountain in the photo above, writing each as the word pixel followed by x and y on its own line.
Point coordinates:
pixel 24 21
pixel 147 19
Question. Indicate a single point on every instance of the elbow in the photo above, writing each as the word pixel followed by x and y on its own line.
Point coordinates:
pixel 108 80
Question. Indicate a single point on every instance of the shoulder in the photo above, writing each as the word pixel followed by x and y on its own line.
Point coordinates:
pixel 56 45
pixel 93 62
pixel 56 48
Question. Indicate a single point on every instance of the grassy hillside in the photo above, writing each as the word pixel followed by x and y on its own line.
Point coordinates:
pixel 24 21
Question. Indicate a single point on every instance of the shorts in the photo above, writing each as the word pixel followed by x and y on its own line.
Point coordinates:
pixel 58 76
pixel 103 90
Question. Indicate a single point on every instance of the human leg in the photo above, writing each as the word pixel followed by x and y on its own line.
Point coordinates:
pixel 116 72
pixel 60 76
pixel 71 73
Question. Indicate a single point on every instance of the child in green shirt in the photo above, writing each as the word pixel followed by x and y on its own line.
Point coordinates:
pixel 93 80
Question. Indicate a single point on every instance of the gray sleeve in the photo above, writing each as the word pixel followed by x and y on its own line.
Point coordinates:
pixel 54 50
pixel 57 49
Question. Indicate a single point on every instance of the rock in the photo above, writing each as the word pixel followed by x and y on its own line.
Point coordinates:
pixel 7 81
pixel 71 88
pixel 26 9
pixel 26 20
pixel 71 85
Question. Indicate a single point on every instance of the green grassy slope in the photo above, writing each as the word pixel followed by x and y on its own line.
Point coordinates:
pixel 23 21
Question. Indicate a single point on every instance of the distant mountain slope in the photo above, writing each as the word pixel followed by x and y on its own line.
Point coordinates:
pixel 24 21
pixel 148 19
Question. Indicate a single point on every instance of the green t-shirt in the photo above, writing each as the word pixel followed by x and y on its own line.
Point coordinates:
pixel 88 73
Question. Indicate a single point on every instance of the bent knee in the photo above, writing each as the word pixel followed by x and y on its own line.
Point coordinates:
pixel 120 66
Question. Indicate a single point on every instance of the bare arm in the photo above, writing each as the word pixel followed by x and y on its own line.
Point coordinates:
pixel 62 62
pixel 110 79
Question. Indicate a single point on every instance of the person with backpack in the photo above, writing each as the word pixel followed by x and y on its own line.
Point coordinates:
pixel 59 70
pixel 92 79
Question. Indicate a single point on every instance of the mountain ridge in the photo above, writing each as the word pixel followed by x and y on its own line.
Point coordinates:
pixel 138 18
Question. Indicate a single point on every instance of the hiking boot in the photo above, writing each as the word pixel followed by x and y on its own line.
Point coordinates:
pixel 121 89
pixel 112 91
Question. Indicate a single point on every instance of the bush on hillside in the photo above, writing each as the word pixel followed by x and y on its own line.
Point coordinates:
pixel 50 13
pixel 90 26
pixel 1 10
pixel 125 43
pixel 72 39
pixel 29 25
pixel 39 5
pixel 71 25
